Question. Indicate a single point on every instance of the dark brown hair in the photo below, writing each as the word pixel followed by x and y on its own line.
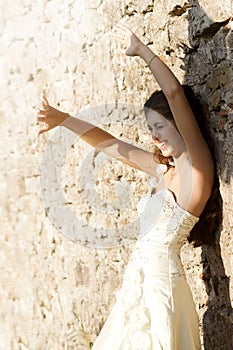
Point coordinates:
pixel 206 228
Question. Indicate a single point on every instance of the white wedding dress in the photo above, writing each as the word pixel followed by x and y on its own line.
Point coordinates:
pixel 154 308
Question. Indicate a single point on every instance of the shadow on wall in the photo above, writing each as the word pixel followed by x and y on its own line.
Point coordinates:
pixel 214 85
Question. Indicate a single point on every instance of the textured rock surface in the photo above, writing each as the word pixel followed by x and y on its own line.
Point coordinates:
pixel 55 293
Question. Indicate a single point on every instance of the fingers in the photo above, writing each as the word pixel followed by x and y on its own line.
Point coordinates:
pixel 41 119
pixel 45 100
pixel 45 103
pixel 121 28
pixel 42 112
pixel 122 52
pixel 123 36
pixel 41 131
pixel 42 115
pixel 120 31
pixel 120 38
pixel 117 36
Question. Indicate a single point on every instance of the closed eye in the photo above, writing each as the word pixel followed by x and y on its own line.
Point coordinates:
pixel 156 126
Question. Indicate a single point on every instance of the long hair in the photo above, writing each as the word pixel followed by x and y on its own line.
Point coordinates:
pixel 205 230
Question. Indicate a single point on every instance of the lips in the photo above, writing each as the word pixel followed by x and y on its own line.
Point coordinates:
pixel 160 144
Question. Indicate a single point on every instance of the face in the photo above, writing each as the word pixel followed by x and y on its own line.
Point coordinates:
pixel 165 134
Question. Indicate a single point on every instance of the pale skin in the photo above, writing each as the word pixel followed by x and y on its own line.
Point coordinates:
pixel 191 177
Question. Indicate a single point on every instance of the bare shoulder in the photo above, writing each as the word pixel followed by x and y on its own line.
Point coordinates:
pixel 192 186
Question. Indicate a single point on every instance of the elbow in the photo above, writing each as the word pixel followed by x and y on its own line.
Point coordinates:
pixel 173 90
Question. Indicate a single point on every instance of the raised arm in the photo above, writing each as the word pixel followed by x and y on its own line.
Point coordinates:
pixel 98 138
pixel 182 113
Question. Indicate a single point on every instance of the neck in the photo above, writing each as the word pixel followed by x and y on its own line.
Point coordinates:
pixel 180 161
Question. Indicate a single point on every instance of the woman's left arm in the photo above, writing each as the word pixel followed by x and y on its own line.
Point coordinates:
pixel 183 115
pixel 181 110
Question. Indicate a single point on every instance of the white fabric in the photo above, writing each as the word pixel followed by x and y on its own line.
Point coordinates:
pixel 154 308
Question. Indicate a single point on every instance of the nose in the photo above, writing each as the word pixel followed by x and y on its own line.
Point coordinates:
pixel 155 136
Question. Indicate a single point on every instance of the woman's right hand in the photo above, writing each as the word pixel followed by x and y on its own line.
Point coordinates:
pixel 126 37
pixel 51 116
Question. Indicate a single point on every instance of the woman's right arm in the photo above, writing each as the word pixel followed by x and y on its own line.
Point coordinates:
pixel 98 138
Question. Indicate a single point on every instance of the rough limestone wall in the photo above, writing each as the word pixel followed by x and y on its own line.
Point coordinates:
pixel 56 293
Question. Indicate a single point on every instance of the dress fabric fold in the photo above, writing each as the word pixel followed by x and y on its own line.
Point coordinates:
pixel 154 308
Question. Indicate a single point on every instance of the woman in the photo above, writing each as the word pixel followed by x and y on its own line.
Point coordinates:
pixel 154 308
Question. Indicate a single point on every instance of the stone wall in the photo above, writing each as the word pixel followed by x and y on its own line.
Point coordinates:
pixel 62 247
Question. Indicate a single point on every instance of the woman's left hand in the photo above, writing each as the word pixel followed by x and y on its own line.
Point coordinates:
pixel 126 37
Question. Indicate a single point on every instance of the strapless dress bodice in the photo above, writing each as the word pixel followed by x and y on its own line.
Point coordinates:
pixel 164 228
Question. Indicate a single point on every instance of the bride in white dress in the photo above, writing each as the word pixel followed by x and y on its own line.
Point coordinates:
pixel 154 308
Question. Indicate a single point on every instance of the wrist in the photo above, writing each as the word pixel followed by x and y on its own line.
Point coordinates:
pixel 64 117
pixel 146 54
pixel 142 48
